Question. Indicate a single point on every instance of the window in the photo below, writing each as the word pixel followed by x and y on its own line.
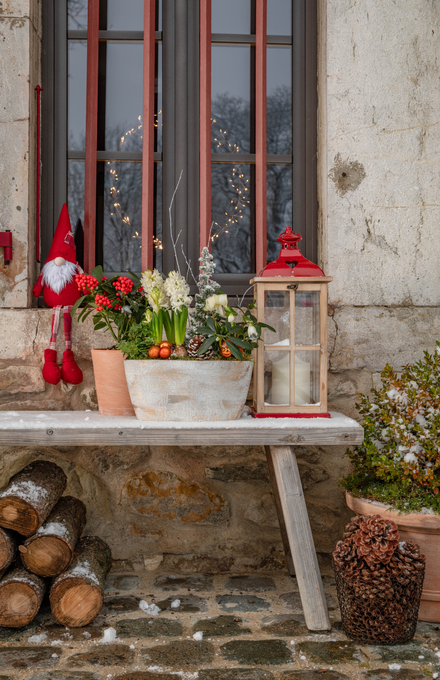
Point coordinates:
pixel 228 88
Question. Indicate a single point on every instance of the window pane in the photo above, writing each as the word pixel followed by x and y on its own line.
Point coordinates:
pixel 279 17
pixel 122 216
pixel 158 232
pixel 230 106
pixel 277 315
pixel 277 378
pixel 279 100
pixel 232 215
pixel 279 206
pixel 76 94
pixel 75 191
pixel 231 16
pixel 307 324
pixel 159 4
pixel 125 16
pixel 123 111
pixel 76 15
pixel 158 117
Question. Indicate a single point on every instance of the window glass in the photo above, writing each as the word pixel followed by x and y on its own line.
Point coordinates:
pixel 231 16
pixel 279 100
pixel 159 15
pixel 158 106
pixel 307 378
pixel 230 92
pixel 125 16
pixel 277 378
pixel 123 111
pixel 77 15
pixel 307 320
pixel 76 94
pixel 277 315
pixel 279 206
pixel 121 216
pixel 232 217
pixel 75 191
pixel 158 231
pixel 279 17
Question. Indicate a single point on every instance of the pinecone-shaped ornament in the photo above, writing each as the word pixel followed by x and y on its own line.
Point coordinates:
pixel 193 348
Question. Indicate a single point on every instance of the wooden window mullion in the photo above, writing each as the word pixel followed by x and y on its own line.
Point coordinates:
pixel 148 136
pixel 91 135
pixel 260 136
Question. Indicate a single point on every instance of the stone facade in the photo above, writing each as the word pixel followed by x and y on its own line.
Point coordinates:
pixel 212 509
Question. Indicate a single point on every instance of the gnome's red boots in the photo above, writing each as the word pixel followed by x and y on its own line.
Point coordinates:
pixel 70 371
pixel 51 371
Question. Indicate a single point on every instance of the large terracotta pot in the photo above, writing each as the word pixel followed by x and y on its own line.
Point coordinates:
pixel 423 530
pixel 111 384
pixel 188 390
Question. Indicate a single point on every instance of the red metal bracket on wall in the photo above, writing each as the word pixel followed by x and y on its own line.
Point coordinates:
pixel 6 243
pixel 39 90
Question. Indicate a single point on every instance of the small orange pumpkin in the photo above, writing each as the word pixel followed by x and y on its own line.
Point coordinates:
pixel 224 350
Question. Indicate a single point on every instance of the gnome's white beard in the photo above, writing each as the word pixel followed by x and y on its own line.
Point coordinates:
pixel 57 277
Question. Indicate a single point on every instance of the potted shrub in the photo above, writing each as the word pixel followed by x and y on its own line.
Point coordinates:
pixel 118 305
pixel 397 468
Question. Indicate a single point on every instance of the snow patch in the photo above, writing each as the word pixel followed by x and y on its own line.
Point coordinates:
pixel 198 637
pixel 26 490
pixel 83 569
pixel 151 610
pixel 175 604
pixel 87 635
pixel 53 528
pixel 109 635
pixel 394 667
pixel 38 639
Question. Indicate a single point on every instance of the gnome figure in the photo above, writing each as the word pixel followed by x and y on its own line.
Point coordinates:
pixel 57 283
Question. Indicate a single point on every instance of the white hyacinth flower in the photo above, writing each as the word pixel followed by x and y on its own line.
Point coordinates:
pixel 252 332
pixel 177 290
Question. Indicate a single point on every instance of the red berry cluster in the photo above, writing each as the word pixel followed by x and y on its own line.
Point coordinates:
pixel 102 301
pixel 86 283
pixel 123 284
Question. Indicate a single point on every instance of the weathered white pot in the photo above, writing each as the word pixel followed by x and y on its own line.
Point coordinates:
pixel 188 390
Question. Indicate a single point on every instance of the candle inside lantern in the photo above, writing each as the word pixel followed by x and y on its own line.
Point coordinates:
pixel 280 393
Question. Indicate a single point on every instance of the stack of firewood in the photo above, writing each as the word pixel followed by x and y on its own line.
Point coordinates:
pixel 32 506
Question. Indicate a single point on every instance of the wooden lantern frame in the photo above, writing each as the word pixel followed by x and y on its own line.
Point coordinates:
pixel 293 285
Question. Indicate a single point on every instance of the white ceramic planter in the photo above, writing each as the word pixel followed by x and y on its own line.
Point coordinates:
pixel 188 390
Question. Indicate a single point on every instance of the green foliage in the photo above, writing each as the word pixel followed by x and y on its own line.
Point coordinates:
pixel 137 342
pixel 399 460
pixel 240 336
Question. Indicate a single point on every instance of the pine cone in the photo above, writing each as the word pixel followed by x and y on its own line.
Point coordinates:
pixel 347 560
pixel 354 524
pixel 193 347
pixel 376 540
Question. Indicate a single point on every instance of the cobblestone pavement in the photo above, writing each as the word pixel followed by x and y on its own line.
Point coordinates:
pixel 253 629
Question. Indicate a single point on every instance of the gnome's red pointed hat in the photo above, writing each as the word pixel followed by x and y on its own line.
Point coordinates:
pixel 63 244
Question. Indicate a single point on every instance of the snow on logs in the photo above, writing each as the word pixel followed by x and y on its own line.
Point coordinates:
pixel 21 594
pixel 50 550
pixel 76 596
pixel 30 496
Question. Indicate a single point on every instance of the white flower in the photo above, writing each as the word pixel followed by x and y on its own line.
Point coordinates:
pixel 177 290
pixel 154 288
pixel 216 303
pixel 231 318
pixel 252 332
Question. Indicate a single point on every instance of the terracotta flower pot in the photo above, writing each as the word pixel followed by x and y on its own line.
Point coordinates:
pixel 188 390
pixel 423 530
pixel 111 384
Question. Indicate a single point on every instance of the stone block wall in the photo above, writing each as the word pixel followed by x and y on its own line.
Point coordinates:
pixel 193 508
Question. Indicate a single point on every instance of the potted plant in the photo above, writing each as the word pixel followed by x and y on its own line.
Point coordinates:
pixel 118 304
pixel 208 379
pixel 397 468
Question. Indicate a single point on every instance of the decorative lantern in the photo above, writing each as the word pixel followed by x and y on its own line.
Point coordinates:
pixel 290 376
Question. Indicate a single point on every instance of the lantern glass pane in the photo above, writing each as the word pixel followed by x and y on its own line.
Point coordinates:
pixel 307 378
pixel 277 378
pixel 307 330
pixel 277 315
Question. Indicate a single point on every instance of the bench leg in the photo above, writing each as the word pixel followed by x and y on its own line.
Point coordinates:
pixel 288 492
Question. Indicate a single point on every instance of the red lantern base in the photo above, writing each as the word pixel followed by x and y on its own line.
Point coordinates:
pixel 291 415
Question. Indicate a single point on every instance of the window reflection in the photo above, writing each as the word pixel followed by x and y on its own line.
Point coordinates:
pixel 279 205
pixel 279 17
pixel 279 100
pixel 76 83
pixel 77 15
pixel 75 191
pixel 125 16
pixel 230 106
pixel 231 16
pixel 232 216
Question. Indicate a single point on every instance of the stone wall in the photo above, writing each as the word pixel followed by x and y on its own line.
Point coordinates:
pixel 212 509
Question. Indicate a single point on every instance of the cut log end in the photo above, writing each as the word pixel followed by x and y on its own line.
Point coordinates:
pixel 19 604
pixel 77 603
pixel 48 556
pixel 18 515
pixel 8 548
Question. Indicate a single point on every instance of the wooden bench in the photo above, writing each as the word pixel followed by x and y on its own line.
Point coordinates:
pixel 278 436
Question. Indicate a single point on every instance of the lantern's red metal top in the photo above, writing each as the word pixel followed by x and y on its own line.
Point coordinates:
pixel 290 261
